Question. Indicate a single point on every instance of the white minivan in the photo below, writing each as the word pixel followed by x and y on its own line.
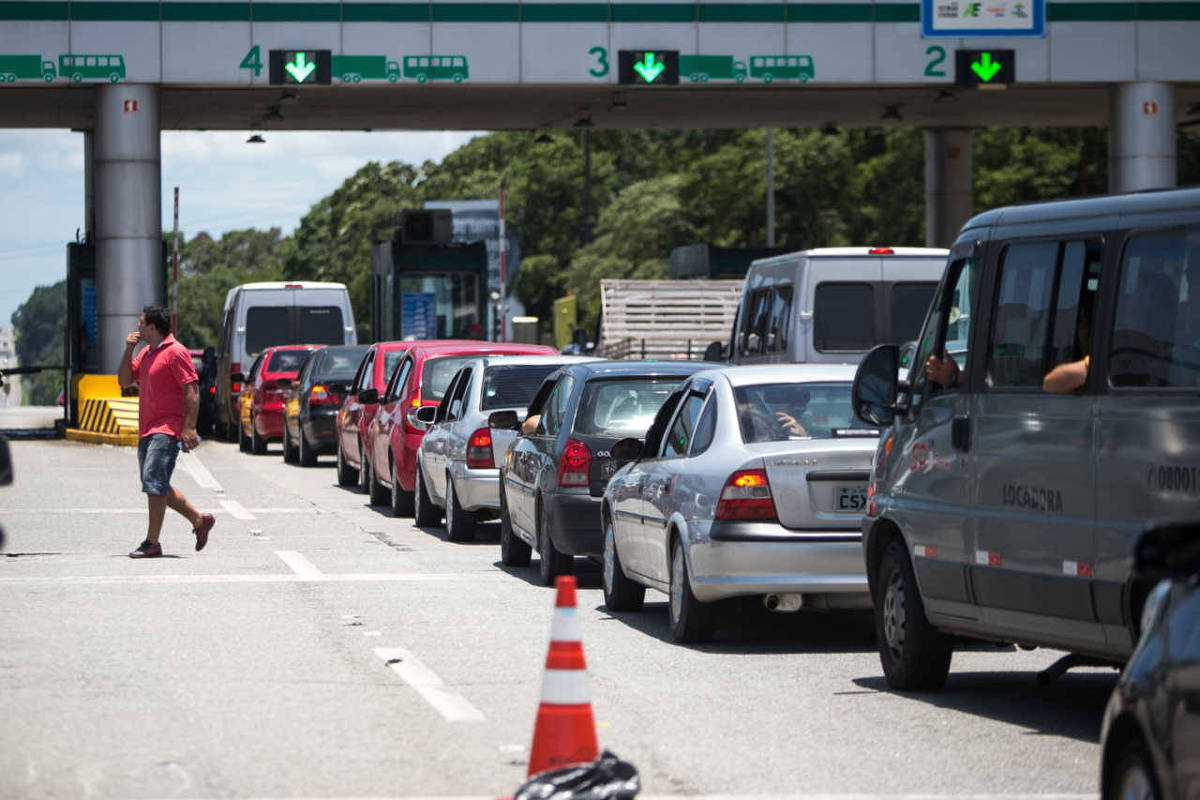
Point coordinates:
pixel 833 304
pixel 260 315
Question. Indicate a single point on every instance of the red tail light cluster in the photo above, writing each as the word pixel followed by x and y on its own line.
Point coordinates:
pixel 574 464
pixel 746 496
pixel 318 395
pixel 234 386
pixel 479 450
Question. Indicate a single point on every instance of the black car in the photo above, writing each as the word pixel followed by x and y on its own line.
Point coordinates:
pixel 1151 731
pixel 205 363
pixel 554 476
pixel 310 411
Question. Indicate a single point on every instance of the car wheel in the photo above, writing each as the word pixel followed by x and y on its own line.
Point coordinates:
pixel 691 620
pixel 1133 778
pixel 258 445
pixel 346 474
pixel 513 551
pixel 401 501
pixel 308 456
pixel 460 524
pixel 364 473
pixel 242 439
pixel 915 655
pixel 552 563
pixel 289 452
pixel 425 513
pixel 620 593
pixel 377 492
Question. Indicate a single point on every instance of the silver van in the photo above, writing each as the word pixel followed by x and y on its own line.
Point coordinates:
pixel 833 304
pixel 260 315
pixel 1052 409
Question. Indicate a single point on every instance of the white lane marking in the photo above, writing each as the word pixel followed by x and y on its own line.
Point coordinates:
pixel 300 565
pixel 142 510
pixel 831 796
pixel 236 509
pixel 120 580
pixel 451 705
pixel 191 464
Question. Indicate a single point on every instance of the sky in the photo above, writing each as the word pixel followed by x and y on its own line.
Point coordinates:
pixel 224 184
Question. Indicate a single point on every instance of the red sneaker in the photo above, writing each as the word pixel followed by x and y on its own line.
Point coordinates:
pixel 147 549
pixel 201 530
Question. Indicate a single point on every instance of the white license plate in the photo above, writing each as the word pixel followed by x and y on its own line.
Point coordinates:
pixel 850 498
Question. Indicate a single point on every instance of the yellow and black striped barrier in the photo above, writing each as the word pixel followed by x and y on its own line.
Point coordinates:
pixel 105 417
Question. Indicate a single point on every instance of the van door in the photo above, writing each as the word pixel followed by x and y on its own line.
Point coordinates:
pixel 1148 453
pixel 934 497
pixel 842 301
pixel 1033 451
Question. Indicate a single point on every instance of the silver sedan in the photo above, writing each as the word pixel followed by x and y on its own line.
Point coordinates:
pixel 457 475
pixel 752 481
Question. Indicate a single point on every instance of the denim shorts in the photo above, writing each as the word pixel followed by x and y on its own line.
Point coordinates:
pixel 156 462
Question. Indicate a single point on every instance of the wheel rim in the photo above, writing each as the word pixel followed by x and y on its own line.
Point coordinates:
pixel 677 575
pixel 894 614
pixel 610 550
pixel 1135 784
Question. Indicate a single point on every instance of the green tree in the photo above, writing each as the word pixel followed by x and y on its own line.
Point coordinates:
pixel 38 325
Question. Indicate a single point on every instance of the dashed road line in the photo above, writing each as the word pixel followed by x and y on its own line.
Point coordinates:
pixel 191 464
pixel 451 705
pixel 236 509
pixel 300 565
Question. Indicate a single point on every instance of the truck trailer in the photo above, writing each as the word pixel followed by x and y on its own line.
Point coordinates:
pixel 26 68
pixel 352 69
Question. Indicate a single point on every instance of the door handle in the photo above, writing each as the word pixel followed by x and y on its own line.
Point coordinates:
pixel 960 434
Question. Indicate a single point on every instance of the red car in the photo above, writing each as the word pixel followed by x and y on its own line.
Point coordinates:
pixel 420 379
pixel 355 416
pixel 267 387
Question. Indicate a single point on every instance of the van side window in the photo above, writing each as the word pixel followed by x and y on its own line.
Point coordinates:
pixel 908 303
pixel 754 322
pixel 1156 326
pixel 957 325
pixel 778 327
pixel 844 317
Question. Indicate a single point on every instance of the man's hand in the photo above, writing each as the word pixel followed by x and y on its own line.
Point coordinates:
pixel 943 371
pixel 790 423
pixel 132 339
pixel 190 439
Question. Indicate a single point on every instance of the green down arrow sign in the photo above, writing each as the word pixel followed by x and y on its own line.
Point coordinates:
pixel 649 68
pixel 985 68
pixel 302 68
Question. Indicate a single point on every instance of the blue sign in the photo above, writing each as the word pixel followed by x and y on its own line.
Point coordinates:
pixel 418 315
pixel 1003 18
pixel 88 310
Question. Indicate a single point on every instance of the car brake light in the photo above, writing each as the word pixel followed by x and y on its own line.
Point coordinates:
pixel 416 401
pixel 234 368
pixel 479 450
pixel 882 251
pixel 574 463
pixel 293 286
pixel 319 395
pixel 212 390
pixel 746 496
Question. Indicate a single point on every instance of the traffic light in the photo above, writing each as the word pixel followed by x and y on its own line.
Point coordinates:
pixel 985 67
pixel 300 66
pixel 648 67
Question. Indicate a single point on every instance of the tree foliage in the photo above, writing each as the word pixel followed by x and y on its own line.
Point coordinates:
pixel 39 323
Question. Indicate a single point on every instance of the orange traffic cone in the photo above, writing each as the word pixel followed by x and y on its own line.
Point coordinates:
pixel 564 733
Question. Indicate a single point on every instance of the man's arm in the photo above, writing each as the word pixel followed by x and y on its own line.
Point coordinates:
pixel 1066 378
pixel 125 368
pixel 191 408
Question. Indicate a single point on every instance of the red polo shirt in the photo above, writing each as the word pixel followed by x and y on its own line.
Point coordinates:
pixel 161 373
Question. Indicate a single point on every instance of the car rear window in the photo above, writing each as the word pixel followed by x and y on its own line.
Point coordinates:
pixel 287 360
pixel 820 411
pixel 622 407
pixel 390 359
pixel 319 325
pixel 513 386
pixel 436 374
pixel 267 326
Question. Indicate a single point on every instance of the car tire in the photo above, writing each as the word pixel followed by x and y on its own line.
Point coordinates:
pixel 460 523
pixel 914 654
pixel 308 456
pixel 289 451
pixel 690 619
pixel 514 552
pixel 364 473
pixel 242 439
pixel 620 593
pixel 376 491
pixel 346 474
pixel 425 513
pixel 400 500
pixel 551 563
pixel 258 445
pixel 1133 776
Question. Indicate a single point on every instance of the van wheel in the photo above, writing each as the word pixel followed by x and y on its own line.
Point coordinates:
pixel 915 655
pixel 425 513
pixel 552 563
pixel 620 593
pixel 308 456
pixel 691 620
pixel 346 474
pixel 513 551
pixel 289 450
pixel 1133 778
pixel 460 523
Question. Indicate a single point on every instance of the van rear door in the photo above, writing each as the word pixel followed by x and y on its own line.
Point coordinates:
pixel 842 308
pixel 322 316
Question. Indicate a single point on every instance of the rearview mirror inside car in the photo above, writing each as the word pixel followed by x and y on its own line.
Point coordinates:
pixel 873 394
pixel 628 449
pixel 1168 551
pixel 427 414
pixel 368 396
pixel 504 420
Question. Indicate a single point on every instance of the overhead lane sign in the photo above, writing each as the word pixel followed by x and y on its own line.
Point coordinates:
pixel 957 18
pixel 985 68
pixel 657 67
pixel 300 66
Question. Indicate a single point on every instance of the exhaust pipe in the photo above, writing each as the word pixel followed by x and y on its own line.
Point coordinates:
pixel 786 602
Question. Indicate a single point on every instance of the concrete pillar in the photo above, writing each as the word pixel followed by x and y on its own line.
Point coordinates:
pixel 1141 137
pixel 947 184
pixel 126 178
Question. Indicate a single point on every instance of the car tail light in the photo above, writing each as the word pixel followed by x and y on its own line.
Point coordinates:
pixel 234 386
pixel 479 450
pixel 212 390
pixel 319 395
pixel 882 251
pixel 416 401
pixel 746 496
pixel 574 464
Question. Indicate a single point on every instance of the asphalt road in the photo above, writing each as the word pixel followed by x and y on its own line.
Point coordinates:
pixel 259 667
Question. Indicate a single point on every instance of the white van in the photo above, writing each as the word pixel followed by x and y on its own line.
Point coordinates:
pixel 259 315
pixel 833 304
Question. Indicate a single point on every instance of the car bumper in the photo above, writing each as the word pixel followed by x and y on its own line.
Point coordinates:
pixel 269 423
pixel 477 488
pixel 320 429
pixel 575 523
pixel 732 559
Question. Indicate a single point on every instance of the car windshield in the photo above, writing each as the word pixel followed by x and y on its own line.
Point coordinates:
pixel 286 361
pixel 436 375
pixel 513 386
pixel 622 407
pixel 780 411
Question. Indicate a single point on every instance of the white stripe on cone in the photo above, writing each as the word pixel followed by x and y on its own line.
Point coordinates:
pixel 564 626
pixel 564 687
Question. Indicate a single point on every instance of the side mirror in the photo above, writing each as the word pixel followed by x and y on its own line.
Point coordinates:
pixel 873 395
pixel 427 414
pixel 504 421
pixel 715 352
pixel 237 377
pixel 368 396
pixel 6 468
pixel 1168 551
pixel 629 449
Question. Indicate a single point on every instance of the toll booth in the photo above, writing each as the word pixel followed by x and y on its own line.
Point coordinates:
pixel 428 291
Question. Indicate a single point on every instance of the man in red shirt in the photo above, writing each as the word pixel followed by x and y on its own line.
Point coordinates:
pixel 168 401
